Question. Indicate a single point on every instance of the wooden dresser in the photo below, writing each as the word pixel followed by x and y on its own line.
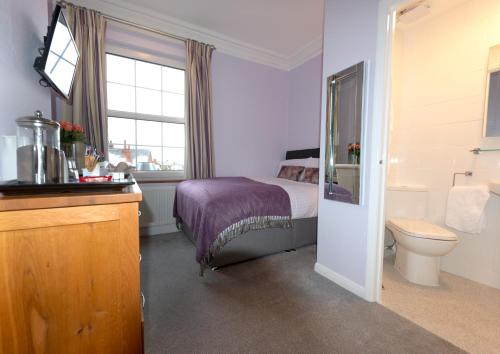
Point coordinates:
pixel 69 274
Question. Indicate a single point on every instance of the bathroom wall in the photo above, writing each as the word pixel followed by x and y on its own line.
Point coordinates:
pixel 438 106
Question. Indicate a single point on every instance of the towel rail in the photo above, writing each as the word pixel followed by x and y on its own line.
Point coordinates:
pixel 465 173
pixel 477 151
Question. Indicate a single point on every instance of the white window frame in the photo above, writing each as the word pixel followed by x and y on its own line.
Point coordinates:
pixel 137 55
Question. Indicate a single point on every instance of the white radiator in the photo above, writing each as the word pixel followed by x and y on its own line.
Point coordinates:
pixel 157 208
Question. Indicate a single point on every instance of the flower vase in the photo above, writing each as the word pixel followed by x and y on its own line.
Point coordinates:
pixel 69 150
pixel 80 155
pixel 351 158
pixel 75 152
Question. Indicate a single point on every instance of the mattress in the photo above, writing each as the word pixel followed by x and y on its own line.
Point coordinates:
pixel 303 196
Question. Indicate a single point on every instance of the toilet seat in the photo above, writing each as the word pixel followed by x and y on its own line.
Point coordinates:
pixel 422 229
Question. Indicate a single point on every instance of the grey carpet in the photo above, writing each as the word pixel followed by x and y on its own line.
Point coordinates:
pixel 276 304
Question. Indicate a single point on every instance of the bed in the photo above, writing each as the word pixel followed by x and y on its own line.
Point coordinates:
pixel 284 232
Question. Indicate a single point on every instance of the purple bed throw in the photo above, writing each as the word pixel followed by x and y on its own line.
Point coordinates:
pixel 218 209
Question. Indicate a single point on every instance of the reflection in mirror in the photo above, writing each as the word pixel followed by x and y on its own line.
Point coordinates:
pixel 343 134
pixel 492 111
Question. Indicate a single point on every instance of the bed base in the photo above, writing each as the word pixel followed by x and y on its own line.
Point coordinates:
pixel 259 243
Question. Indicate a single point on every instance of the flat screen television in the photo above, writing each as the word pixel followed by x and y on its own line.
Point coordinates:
pixel 59 56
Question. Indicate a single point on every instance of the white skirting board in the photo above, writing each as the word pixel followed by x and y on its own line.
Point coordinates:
pixel 157 208
pixel 338 279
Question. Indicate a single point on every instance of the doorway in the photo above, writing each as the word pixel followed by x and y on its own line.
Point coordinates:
pixel 436 87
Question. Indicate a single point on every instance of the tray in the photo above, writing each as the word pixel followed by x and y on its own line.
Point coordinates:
pixel 16 187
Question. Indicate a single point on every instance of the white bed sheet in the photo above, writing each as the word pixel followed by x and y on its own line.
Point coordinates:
pixel 303 196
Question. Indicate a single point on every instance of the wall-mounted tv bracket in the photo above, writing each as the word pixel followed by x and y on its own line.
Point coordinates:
pixel 42 81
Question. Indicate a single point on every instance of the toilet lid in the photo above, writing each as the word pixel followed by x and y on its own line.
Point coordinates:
pixel 423 229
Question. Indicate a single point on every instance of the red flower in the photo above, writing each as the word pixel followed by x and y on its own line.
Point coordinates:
pixel 353 147
pixel 77 128
pixel 65 125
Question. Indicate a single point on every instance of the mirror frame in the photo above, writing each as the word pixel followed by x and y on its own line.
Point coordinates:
pixel 492 68
pixel 331 149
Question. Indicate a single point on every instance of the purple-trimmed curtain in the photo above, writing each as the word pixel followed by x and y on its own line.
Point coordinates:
pixel 87 104
pixel 199 111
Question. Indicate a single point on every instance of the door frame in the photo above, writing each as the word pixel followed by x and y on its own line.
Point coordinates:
pixel 381 114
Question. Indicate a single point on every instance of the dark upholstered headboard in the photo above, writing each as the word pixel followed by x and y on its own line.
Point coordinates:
pixel 302 154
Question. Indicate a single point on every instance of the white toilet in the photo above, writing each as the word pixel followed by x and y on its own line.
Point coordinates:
pixel 419 244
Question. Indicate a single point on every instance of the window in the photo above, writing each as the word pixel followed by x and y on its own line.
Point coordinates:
pixel 146 104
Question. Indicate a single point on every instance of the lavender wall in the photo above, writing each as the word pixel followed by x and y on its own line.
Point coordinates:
pixel 254 105
pixel 250 116
pixel 305 105
pixel 350 33
pixel 23 25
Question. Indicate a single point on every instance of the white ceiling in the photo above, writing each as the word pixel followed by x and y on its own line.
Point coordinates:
pixel 281 26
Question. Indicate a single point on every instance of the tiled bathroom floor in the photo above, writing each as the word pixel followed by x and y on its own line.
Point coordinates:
pixel 463 312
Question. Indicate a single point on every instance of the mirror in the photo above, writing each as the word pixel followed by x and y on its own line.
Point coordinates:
pixel 492 107
pixel 343 134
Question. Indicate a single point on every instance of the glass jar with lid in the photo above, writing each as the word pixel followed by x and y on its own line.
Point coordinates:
pixel 39 159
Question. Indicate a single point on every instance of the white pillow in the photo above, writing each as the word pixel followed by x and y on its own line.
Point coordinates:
pixel 312 162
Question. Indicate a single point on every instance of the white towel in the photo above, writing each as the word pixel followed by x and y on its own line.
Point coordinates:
pixel 465 209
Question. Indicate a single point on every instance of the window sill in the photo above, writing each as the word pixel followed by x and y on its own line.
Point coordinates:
pixel 159 176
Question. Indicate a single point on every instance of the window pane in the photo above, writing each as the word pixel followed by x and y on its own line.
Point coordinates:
pixel 148 133
pixel 148 75
pixel 121 153
pixel 148 101
pixel 173 80
pixel 148 158
pixel 121 97
pixel 121 131
pixel 115 154
pixel 173 135
pixel 173 105
pixel 120 70
pixel 173 159
pixel 146 89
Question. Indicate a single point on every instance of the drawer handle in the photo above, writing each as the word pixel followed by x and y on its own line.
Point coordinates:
pixel 140 213
pixel 143 300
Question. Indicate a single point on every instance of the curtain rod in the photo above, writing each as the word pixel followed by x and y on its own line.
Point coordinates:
pixel 149 29
pixel 63 3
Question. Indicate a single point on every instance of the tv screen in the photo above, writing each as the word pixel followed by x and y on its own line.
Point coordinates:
pixel 59 59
